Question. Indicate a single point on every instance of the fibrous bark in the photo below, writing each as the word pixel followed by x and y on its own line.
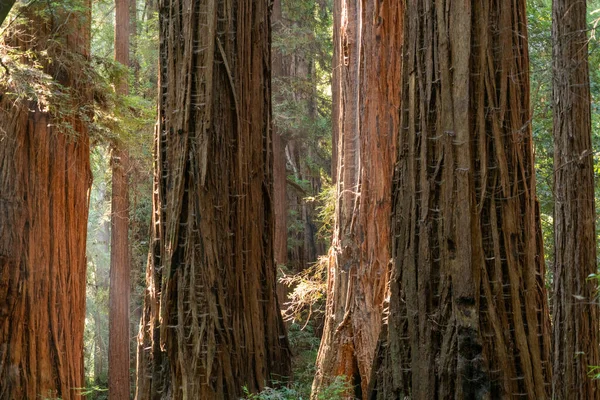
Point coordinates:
pixel 211 321
pixel 368 40
pixel 118 331
pixel 468 314
pixel 44 182
pixel 575 316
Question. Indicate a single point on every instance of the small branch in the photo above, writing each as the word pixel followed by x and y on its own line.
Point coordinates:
pixel 297 187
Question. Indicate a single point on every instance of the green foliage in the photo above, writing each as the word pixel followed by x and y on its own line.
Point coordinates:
pixel 98 256
pixel 305 344
pixel 95 392
pixel 302 98
pixel 337 390
pixel 540 48
pixel 327 200
pixel 307 298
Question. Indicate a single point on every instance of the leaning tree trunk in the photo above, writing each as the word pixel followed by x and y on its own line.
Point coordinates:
pixel 468 310
pixel 211 322
pixel 44 182
pixel 575 329
pixel 368 56
pixel 118 323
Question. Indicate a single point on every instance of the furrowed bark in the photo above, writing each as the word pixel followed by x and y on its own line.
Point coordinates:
pixel 367 100
pixel 468 311
pixel 118 331
pixel 575 316
pixel 211 322
pixel 44 182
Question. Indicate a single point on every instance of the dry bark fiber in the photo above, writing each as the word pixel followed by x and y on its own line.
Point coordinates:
pixel 44 182
pixel 468 315
pixel 211 320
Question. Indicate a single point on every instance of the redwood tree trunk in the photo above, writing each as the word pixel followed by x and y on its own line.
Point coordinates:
pixel 44 182
pixel 468 310
pixel 211 322
pixel 575 329
pixel 368 40
pixel 118 323
pixel 280 206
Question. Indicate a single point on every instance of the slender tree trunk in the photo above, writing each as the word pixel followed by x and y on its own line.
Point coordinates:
pixel 367 55
pixel 280 206
pixel 468 309
pixel 118 323
pixel 211 322
pixel 44 182
pixel 575 329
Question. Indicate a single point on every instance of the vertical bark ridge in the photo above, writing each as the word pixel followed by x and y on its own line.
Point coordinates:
pixel 44 182
pixel 575 329
pixel 118 337
pixel 366 110
pixel 468 312
pixel 211 323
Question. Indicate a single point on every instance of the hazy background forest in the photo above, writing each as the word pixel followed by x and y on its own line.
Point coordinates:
pixel 302 50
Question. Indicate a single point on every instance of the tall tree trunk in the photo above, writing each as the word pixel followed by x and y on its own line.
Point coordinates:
pixel 368 42
pixel 118 323
pixel 44 182
pixel 575 329
pixel 211 322
pixel 280 206
pixel 468 310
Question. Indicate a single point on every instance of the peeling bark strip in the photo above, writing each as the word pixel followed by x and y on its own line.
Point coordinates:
pixel 211 321
pixel 367 109
pixel 468 311
pixel 44 181
pixel 575 329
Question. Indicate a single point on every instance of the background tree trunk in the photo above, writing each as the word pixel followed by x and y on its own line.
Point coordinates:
pixel 118 335
pixel 367 99
pixel 211 322
pixel 44 182
pixel 280 206
pixel 468 309
pixel 575 329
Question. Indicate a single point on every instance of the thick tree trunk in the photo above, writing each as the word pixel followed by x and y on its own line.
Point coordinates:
pixel 575 329
pixel 118 323
pixel 468 310
pixel 211 322
pixel 367 99
pixel 44 182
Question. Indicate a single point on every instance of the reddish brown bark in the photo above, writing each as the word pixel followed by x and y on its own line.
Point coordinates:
pixel 211 322
pixel 44 182
pixel 575 328
pixel 468 312
pixel 367 99
pixel 118 324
